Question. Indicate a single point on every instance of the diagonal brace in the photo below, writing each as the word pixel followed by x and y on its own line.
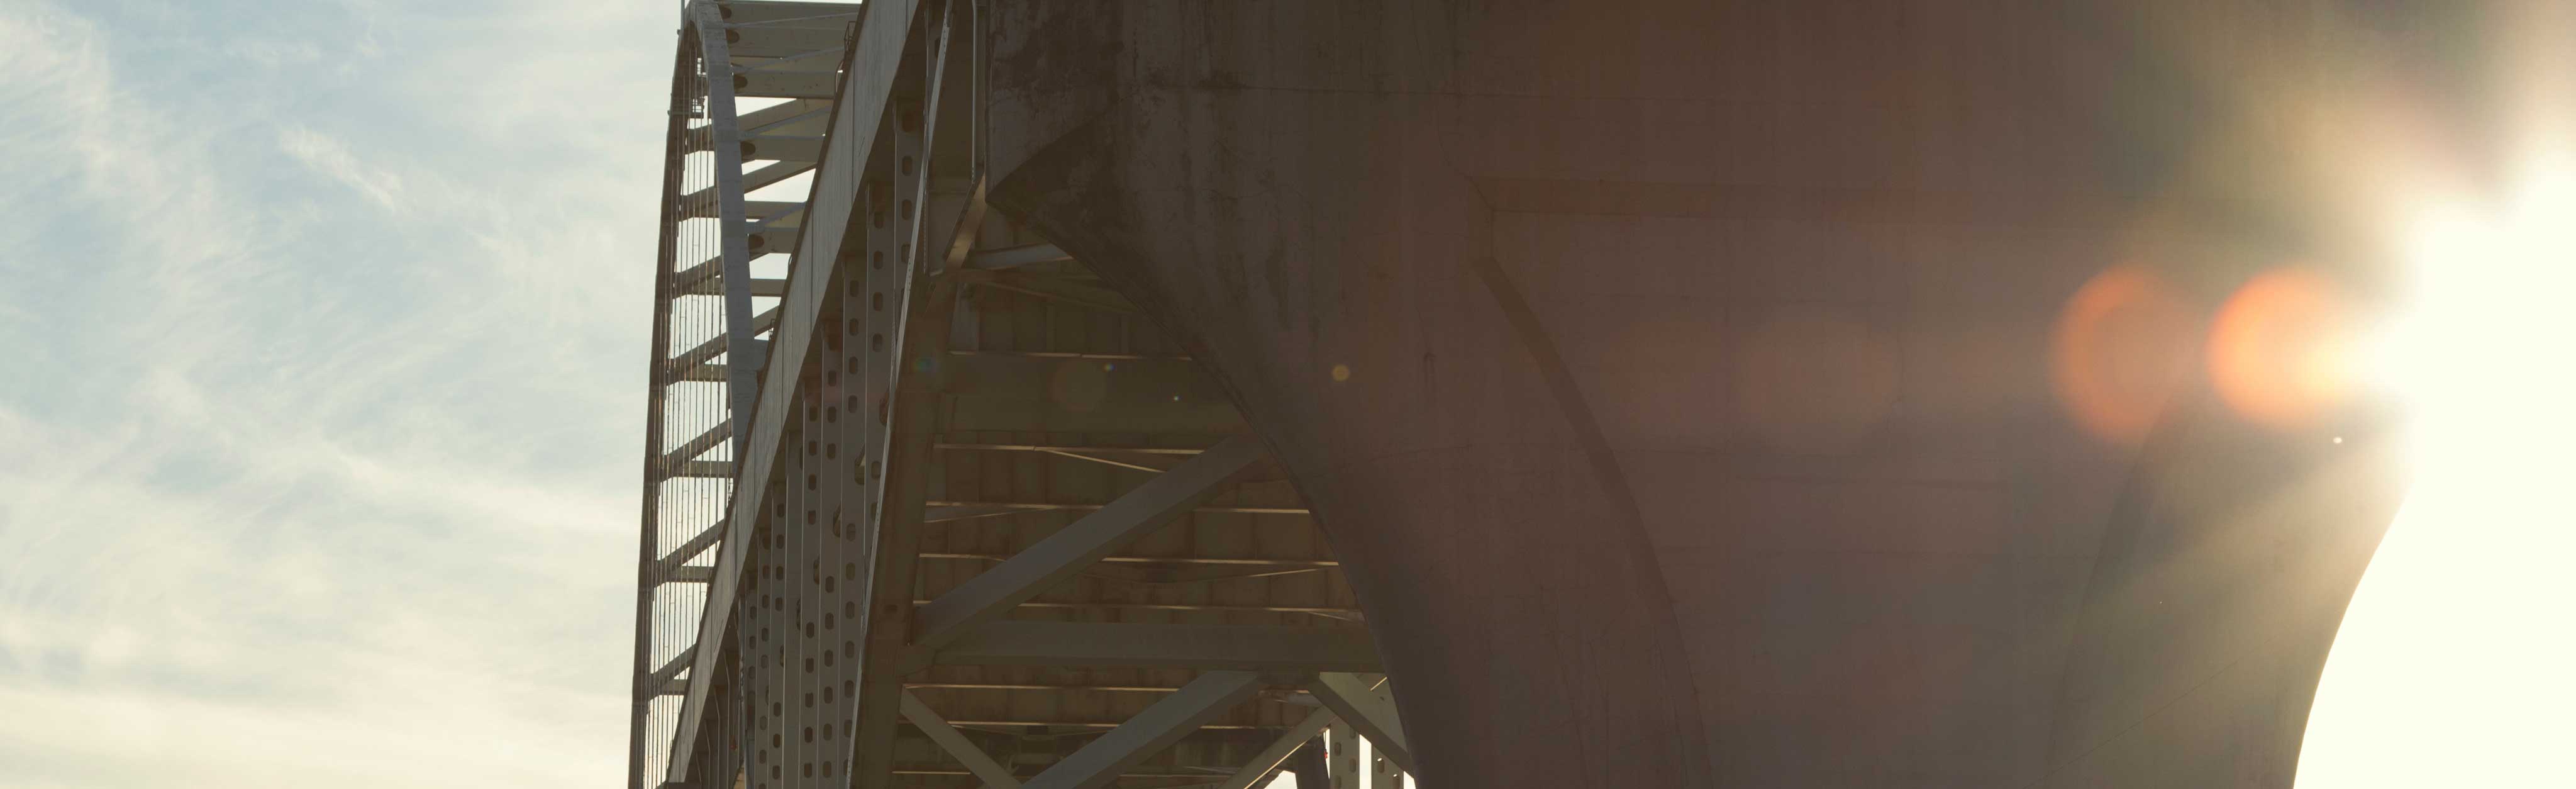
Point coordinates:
pixel 1368 705
pixel 1100 762
pixel 992 773
pixel 1062 555
pixel 1270 758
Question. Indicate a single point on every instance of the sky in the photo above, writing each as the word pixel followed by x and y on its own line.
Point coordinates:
pixel 319 445
pixel 322 424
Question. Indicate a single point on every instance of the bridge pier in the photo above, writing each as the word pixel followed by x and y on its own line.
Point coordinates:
pixel 1680 382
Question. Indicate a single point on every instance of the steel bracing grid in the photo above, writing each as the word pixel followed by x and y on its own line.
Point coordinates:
pixel 744 115
pixel 927 503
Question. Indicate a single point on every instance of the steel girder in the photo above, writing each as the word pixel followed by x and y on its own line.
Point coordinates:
pixel 709 318
pixel 981 523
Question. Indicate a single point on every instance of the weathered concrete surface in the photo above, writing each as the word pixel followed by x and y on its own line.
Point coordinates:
pixel 1683 383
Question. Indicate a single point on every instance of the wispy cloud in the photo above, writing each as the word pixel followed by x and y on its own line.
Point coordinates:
pixel 326 155
pixel 323 471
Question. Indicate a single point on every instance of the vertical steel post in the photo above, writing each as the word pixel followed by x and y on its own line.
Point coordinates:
pixel 649 572
pixel 743 356
pixel 1342 749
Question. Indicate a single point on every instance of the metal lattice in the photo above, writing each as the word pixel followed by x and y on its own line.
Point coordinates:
pixel 711 315
pixel 978 520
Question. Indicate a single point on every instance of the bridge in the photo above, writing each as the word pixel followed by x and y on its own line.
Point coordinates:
pixel 1173 394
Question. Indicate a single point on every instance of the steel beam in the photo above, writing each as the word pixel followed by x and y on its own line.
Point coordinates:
pixel 782 40
pixel 992 773
pixel 764 210
pixel 770 174
pixel 1062 555
pixel 1100 762
pixel 731 183
pixel 703 469
pixel 760 120
pixel 1270 758
pixel 856 115
pixel 772 212
pixel 769 240
pixel 1015 257
pixel 1141 645
pixel 759 177
pixel 684 366
pixel 1341 756
pixel 1368 706
pixel 785 84
pixel 1384 773
pixel 1059 290
pixel 781 147
pixel 669 670
pixel 700 445
pixel 1311 766
pixel 689 549
pixel 807 14
pixel 1028 393
pixel 920 313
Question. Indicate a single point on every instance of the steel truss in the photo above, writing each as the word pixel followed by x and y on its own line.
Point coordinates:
pixel 967 517
pixel 710 311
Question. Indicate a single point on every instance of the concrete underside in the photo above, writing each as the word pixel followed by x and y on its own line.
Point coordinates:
pixel 1675 379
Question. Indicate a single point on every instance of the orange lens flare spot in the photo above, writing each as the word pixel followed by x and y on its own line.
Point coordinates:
pixel 2281 352
pixel 2122 346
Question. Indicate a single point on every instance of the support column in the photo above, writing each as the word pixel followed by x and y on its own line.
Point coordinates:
pixel 1342 756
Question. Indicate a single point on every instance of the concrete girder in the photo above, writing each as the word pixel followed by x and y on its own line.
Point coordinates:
pixel 1562 248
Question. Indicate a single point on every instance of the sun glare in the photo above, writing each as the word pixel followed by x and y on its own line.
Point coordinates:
pixel 2455 664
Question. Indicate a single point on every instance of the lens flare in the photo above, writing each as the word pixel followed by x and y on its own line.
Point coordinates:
pixel 2451 667
pixel 2122 346
pixel 2280 352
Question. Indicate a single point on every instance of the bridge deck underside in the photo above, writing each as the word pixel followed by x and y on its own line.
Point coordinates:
pixel 988 524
